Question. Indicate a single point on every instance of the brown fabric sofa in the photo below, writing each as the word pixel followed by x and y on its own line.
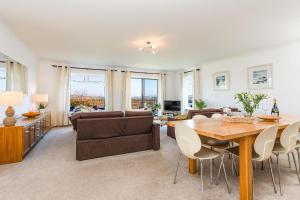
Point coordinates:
pixel 90 115
pixel 112 133
pixel 206 112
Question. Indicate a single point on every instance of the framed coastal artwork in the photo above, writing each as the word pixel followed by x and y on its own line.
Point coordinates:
pixel 221 80
pixel 260 77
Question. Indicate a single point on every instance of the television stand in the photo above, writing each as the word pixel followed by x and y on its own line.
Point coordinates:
pixel 171 113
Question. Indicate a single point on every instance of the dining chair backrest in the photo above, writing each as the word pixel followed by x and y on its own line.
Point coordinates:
pixel 188 140
pixel 199 117
pixel 265 141
pixel 217 116
pixel 289 135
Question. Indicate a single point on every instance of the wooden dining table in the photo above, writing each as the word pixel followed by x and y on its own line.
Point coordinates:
pixel 241 133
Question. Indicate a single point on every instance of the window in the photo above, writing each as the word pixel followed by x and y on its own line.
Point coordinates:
pixel 144 92
pixel 190 90
pixel 87 90
pixel 2 78
pixel 188 93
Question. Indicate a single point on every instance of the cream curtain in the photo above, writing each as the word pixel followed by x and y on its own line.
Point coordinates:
pixel 126 91
pixel 16 77
pixel 62 99
pixel 196 85
pixel 162 89
pixel 109 90
pixel 184 91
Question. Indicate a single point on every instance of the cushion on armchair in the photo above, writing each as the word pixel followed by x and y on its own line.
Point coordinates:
pixel 181 117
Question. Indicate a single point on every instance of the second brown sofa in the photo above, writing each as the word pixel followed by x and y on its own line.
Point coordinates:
pixel 206 112
pixel 112 133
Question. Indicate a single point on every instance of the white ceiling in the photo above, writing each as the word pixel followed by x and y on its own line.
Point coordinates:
pixel 186 32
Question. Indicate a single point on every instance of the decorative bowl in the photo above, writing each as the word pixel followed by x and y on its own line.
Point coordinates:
pixel 268 118
pixel 238 119
pixel 31 114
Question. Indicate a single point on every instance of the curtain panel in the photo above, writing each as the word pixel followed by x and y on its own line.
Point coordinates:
pixel 62 100
pixel 109 79
pixel 196 85
pixel 16 77
pixel 162 89
pixel 184 91
pixel 126 90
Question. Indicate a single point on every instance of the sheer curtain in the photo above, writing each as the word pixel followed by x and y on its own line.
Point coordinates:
pixel 62 99
pixel 109 90
pixel 126 91
pixel 16 77
pixel 196 85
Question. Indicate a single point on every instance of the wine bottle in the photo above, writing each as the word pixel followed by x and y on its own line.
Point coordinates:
pixel 275 111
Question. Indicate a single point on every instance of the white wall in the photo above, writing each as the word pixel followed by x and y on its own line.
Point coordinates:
pixel 286 76
pixel 13 47
pixel 173 86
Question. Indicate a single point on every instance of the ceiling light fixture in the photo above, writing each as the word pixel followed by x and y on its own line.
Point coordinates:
pixel 149 47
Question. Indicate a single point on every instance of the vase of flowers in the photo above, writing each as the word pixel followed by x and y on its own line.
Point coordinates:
pixel 250 101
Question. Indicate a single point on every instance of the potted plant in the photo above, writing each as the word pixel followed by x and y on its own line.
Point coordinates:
pixel 73 105
pixel 154 108
pixel 250 101
pixel 42 107
pixel 200 104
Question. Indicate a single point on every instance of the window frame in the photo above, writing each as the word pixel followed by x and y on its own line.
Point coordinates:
pixel 143 89
pixel 86 79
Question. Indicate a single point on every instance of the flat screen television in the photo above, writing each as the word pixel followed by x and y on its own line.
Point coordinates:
pixel 172 105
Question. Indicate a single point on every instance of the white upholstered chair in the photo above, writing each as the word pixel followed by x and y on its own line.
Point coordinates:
pixel 190 145
pixel 217 116
pixel 262 150
pixel 286 146
pixel 199 117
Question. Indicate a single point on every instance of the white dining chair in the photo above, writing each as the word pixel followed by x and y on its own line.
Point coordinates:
pixel 211 143
pixel 217 116
pixel 190 145
pixel 286 146
pixel 298 150
pixel 262 150
pixel 199 117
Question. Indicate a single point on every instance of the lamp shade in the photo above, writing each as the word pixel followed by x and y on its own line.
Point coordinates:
pixel 40 98
pixel 11 98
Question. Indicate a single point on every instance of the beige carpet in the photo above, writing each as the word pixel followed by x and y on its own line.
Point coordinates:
pixel 51 172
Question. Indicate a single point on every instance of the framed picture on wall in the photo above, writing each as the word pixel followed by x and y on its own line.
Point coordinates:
pixel 221 80
pixel 260 77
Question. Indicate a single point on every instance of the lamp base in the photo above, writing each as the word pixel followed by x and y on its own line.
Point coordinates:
pixel 9 120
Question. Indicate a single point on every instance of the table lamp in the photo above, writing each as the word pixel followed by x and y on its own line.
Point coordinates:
pixel 41 99
pixel 10 98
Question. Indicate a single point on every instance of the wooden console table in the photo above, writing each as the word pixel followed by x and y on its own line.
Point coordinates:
pixel 16 142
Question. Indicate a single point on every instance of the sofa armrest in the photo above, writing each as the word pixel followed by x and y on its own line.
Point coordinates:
pixel 171 119
pixel 156 136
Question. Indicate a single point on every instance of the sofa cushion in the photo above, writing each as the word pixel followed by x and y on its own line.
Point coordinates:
pixel 138 125
pixel 87 115
pixel 100 128
pixel 138 113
